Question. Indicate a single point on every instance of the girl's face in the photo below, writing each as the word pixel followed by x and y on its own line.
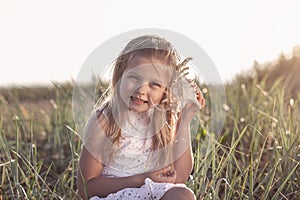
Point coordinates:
pixel 143 83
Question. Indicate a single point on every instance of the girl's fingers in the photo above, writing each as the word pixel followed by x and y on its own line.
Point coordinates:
pixel 166 174
pixel 170 177
pixel 164 170
pixel 202 102
pixel 200 98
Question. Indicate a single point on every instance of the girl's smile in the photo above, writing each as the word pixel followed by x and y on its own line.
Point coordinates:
pixel 137 100
pixel 143 83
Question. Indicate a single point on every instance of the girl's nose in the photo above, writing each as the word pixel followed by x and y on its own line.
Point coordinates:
pixel 142 89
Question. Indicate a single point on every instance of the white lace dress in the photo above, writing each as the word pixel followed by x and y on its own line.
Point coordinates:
pixel 132 159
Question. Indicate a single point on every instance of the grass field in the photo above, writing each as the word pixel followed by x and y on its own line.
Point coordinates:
pixel 257 156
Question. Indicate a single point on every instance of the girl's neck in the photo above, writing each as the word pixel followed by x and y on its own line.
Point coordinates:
pixel 143 117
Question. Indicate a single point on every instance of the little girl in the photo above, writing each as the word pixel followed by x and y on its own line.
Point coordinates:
pixel 137 142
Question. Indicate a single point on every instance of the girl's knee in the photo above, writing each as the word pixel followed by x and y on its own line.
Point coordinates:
pixel 179 193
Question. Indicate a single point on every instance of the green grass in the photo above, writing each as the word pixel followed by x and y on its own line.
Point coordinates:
pixel 257 156
pixel 39 148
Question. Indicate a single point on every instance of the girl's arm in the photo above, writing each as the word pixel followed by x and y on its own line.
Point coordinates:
pixel 91 183
pixel 184 164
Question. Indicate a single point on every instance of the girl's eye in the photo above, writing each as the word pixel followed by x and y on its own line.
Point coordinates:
pixel 155 84
pixel 131 77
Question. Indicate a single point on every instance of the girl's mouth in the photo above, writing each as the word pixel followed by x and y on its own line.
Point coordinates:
pixel 137 100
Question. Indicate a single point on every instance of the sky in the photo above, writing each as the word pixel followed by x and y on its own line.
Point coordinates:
pixel 48 41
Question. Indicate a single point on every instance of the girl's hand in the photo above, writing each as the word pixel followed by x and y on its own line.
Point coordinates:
pixel 165 175
pixel 191 108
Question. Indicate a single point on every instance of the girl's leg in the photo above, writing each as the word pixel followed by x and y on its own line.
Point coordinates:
pixel 179 194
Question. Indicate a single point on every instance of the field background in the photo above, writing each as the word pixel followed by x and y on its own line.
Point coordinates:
pixel 257 156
